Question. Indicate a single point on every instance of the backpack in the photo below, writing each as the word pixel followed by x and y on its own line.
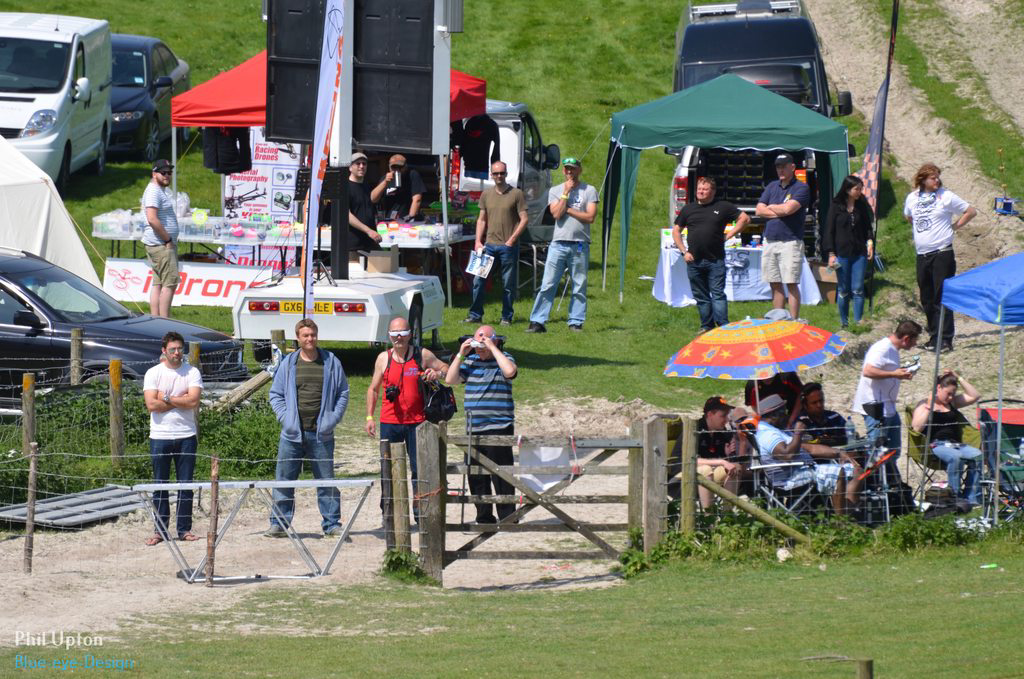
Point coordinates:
pixel 438 398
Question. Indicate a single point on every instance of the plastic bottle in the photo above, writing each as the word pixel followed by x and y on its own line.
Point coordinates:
pixel 1020 451
pixel 851 430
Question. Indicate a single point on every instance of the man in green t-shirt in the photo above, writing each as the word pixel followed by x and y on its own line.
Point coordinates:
pixel 502 221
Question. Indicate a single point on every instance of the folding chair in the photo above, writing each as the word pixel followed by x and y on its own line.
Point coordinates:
pixel 923 456
pixel 1008 504
pixel 793 499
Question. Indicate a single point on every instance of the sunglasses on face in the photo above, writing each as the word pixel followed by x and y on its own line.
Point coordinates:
pixel 165 173
pixel 498 174
pixel 397 167
pixel 399 333
pixel 175 350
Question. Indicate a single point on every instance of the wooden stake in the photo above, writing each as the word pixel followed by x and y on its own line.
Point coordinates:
pixel 76 355
pixel 431 456
pixel 866 669
pixel 211 534
pixel 635 484
pixel 30 510
pixel 688 499
pixel 755 511
pixel 387 501
pixel 655 521
pixel 277 337
pixel 116 414
pixel 28 412
pixel 400 492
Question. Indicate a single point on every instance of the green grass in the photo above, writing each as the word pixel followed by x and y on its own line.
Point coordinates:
pixel 933 614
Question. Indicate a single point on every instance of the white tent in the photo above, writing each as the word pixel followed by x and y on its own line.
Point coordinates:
pixel 33 217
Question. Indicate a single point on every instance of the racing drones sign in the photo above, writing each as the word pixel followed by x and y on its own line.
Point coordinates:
pixel 269 187
pixel 129 280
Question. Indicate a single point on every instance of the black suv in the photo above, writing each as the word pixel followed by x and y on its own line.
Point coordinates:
pixel 39 305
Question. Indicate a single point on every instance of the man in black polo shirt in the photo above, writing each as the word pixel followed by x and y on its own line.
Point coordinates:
pixel 362 219
pixel 717 447
pixel 704 250
pixel 826 427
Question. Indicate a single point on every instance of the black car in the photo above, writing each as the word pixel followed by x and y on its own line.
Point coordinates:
pixel 40 303
pixel 146 75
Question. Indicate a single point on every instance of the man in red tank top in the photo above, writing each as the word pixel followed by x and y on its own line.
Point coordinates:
pixel 402 403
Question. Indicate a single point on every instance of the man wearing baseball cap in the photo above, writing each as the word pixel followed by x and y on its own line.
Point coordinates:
pixel 574 207
pixel 718 447
pixel 362 217
pixel 161 238
pixel 783 204
pixel 402 188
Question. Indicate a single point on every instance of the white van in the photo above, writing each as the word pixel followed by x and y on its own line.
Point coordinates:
pixel 55 84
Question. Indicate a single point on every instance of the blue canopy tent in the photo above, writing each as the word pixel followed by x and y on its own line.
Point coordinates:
pixel 993 292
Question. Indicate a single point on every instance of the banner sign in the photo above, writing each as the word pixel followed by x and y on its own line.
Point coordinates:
pixel 129 280
pixel 269 187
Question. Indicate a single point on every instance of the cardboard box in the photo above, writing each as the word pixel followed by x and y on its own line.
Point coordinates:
pixel 827 280
pixel 382 261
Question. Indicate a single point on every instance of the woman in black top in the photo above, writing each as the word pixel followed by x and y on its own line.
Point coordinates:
pixel 848 242
pixel 945 431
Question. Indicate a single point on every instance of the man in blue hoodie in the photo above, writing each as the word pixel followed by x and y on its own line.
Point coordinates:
pixel 309 396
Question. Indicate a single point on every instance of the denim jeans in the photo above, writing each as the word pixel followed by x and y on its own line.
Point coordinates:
pixel 182 452
pixel 564 255
pixel 508 257
pixel 888 434
pixel 957 456
pixel 850 279
pixel 289 466
pixel 707 282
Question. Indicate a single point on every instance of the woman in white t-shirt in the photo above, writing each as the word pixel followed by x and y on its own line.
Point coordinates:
pixel 933 213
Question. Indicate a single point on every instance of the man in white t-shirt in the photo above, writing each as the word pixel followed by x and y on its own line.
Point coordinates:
pixel 932 212
pixel 161 239
pixel 171 389
pixel 879 386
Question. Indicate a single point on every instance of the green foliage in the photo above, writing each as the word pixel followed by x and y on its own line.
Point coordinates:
pixel 405 567
pixel 839 536
pixel 914 531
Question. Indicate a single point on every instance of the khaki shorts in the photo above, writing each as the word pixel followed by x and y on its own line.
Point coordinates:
pixel 782 261
pixel 716 474
pixel 164 262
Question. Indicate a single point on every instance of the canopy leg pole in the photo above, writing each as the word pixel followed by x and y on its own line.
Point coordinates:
pixel 931 394
pixel 443 160
pixel 174 161
pixel 999 426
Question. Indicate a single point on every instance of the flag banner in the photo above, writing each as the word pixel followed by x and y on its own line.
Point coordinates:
pixel 871 171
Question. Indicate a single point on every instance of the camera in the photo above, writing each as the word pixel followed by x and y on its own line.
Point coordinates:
pixel 391 392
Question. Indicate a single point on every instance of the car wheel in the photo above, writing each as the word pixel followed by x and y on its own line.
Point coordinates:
pixel 151 145
pixel 64 173
pixel 100 164
pixel 416 322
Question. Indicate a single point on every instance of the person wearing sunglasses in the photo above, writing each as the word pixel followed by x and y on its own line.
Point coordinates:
pixel 161 238
pixel 403 190
pixel 399 370
pixel 502 220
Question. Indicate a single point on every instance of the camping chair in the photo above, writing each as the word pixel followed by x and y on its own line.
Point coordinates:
pixel 929 463
pixel 1009 504
pixel 795 500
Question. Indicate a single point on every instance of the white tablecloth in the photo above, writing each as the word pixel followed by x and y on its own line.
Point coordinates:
pixel 742 279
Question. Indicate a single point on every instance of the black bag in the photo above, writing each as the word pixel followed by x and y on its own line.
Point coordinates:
pixel 438 398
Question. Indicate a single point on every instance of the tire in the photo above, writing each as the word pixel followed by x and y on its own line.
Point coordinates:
pixel 151 141
pixel 64 173
pixel 416 322
pixel 97 166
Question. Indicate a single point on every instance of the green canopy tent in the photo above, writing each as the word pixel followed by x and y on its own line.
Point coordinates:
pixel 727 112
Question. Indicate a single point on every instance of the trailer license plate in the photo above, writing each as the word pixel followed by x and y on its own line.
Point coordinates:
pixel 295 307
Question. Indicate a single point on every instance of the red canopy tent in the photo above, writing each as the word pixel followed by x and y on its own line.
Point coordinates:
pixel 238 98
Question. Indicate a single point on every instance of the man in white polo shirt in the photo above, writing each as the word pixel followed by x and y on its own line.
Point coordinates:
pixel 171 389
pixel 161 239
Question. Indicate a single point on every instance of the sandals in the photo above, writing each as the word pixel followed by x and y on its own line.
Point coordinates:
pixel 154 540
pixel 188 537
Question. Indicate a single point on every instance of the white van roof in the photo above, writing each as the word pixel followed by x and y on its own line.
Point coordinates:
pixel 47 26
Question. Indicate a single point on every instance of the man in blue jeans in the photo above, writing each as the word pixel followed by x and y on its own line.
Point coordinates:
pixel 704 250
pixel 502 220
pixel 574 207
pixel 308 396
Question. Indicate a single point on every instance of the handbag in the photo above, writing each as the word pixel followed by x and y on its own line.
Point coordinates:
pixel 438 401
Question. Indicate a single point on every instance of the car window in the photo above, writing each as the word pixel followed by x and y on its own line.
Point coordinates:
pixel 32 65
pixel 531 142
pixel 71 299
pixel 80 63
pixel 130 68
pixel 168 59
pixel 9 305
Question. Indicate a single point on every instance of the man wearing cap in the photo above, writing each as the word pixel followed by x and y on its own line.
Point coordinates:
pixel 704 250
pixel 574 207
pixel 718 447
pixel 402 189
pixel 161 238
pixel 832 471
pixel 362 219
pixel 502 220
pixel 783 204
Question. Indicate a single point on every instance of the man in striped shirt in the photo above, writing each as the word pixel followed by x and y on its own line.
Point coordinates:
pixel 488 373
pixel 161 239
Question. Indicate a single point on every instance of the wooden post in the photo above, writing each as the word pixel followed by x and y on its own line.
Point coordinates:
pixel 635 485
pixel 866 668
pixel 76 355
pixel 688 500
pixel 277 337
pixel 28 412
pixel 193 356
pixel 755 511
pixel 30 509
pixel 431 459
pixel 400 493
pixel 387 501
pixel 116 414
pixel 655 516
pixel 211 534
pixel 242 391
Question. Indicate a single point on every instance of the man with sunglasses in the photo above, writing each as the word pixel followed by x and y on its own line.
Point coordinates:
pixel 574 207
pixel 171 390
pixel 362 217
pixel 403 190
pixel 161 238
pixel 401 410
pixel 502 220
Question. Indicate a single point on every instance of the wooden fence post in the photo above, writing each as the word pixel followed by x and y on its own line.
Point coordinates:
pixel 76 355
pixel 688 499
pixel 655 521
pixel 28 412
pixel 277 337
pixel 30 509
pixel 193 356
pixel 211 533
pixel 635 484
pixel 431 460
pixel 387 501
pixel 400 493
pixel 116 414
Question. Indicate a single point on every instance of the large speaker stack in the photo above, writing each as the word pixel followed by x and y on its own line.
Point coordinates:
pixel 294 39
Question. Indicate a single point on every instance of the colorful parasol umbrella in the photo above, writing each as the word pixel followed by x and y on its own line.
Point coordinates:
pixel 754 349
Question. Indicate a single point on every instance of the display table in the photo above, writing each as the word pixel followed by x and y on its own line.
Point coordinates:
pixel 263 493
pixel 742 279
